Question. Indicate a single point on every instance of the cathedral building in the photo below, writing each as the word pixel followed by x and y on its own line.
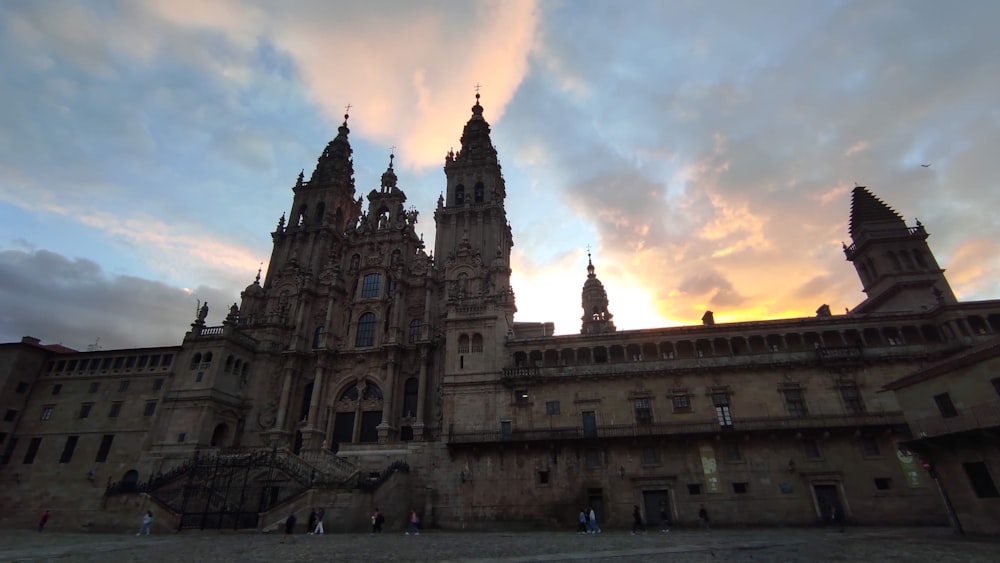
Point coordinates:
pixel 363 370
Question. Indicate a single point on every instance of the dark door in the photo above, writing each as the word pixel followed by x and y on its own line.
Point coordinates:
pixel 589 424
pixel 343 428
pixel 828 501
pixel 369 426
pixel 657 505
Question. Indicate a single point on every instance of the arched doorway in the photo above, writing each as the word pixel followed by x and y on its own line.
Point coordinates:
pixel 220 435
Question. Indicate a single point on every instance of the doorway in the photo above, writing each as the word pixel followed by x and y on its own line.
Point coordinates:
pixel 658 510
pixel 831 511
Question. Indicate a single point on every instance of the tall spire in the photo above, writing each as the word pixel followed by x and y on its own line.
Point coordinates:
pixel 870 213
pixel 335 163
pixel 596 316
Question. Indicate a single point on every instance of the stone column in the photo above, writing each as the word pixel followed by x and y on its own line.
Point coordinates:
pixel 418 426
pixel 286 390
pixel 312 433
pixel 388 392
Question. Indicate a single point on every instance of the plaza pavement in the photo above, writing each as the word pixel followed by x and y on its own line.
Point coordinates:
pixel 912 545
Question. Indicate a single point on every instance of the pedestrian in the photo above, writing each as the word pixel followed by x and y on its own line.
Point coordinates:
pixel 43 520
pixel 414 523
pixel 582 528
pixel 147 523
pixel 312 522
pixel 637 520
pixel 592 522
pixel 703 517
pixel 318 530
pixel 290 523
pixel 664 518
pixel 377 520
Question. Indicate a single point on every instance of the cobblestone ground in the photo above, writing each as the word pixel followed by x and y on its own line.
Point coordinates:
pixel 784 545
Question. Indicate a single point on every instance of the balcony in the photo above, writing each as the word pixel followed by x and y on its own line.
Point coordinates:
pixel 974 418
pixel 661 429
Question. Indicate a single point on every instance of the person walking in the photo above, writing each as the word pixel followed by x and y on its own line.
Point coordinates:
pixel 377 520
pixel 414 523
pixel 703 517
pixel 637 520
pixel 147 523
pixel 43 520
pixel 582 517
pixel 290 523
pixel 664 518
pixel 592 521
pixel 318 530
pixel 312 522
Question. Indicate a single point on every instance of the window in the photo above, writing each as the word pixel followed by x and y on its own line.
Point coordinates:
pixel 851 396
pixel 154 360
pixel 123 386
pixel 694 489
pixel 415 329
pixel 119 362
pixel 47 411
pixel 869 446
pixel 521 397
pixel 85 409
pixel 682 403
pixel 10 415
pixel 157 384
pixel 795 403
pixel 67 453
pixel 996 384
pixel 167 360
pixel 199 376
pixel 130 362
pixel 980 479
pixel 150 408
pixel 94 387
pixel 116 408
pixel 643 412
pixel 71 365
pixel 22 387
pixel 593 457
pixel 143 360
pixel 721 402
pixel 32 451
pixel 366 331
pixel 181 437
pixel 810 448
pixel 459 194
pixel 650 456
pixel 3 436
pixel 105 449
pixel 106 363
pixel 411 393
pixel 945 406
pixel 60 365
pixel 56 388
pixel 543 477
pixel 551 407
pixel 732 451
pixel 740 488
pixel 478 191
pixel 883 483
pixel 95 363
pixel 317 342
pixel 370 285
pixel 9 451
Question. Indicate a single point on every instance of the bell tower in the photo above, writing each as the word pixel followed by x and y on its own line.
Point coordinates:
pixel 596 317
pixel 472 252
pixel 897 269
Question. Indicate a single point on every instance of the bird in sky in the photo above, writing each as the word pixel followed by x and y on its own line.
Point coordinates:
pixel 926 165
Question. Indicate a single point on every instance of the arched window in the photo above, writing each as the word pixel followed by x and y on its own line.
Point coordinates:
pixel 415 329
pixel 195 361
pixel 371 285
pixel 350 394
pixel 479 192
pixel 372 392
pixel 318 337
pixel 207 359
pixel 301 219
pixel 459 194
pixel 410 397
pixel 229 364
pixel 477 343
pixel 320 209
pixel 463 343
pixel 366 331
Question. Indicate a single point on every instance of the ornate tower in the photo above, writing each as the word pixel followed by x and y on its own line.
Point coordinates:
pixel 472 249
pixel 897 268
pixel 596 317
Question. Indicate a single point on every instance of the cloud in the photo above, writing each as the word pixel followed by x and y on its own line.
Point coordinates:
pixel 74 302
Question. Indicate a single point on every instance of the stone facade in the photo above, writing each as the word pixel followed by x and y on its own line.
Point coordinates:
pixel 362 366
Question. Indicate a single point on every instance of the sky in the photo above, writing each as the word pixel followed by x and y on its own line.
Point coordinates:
pixel 705 151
